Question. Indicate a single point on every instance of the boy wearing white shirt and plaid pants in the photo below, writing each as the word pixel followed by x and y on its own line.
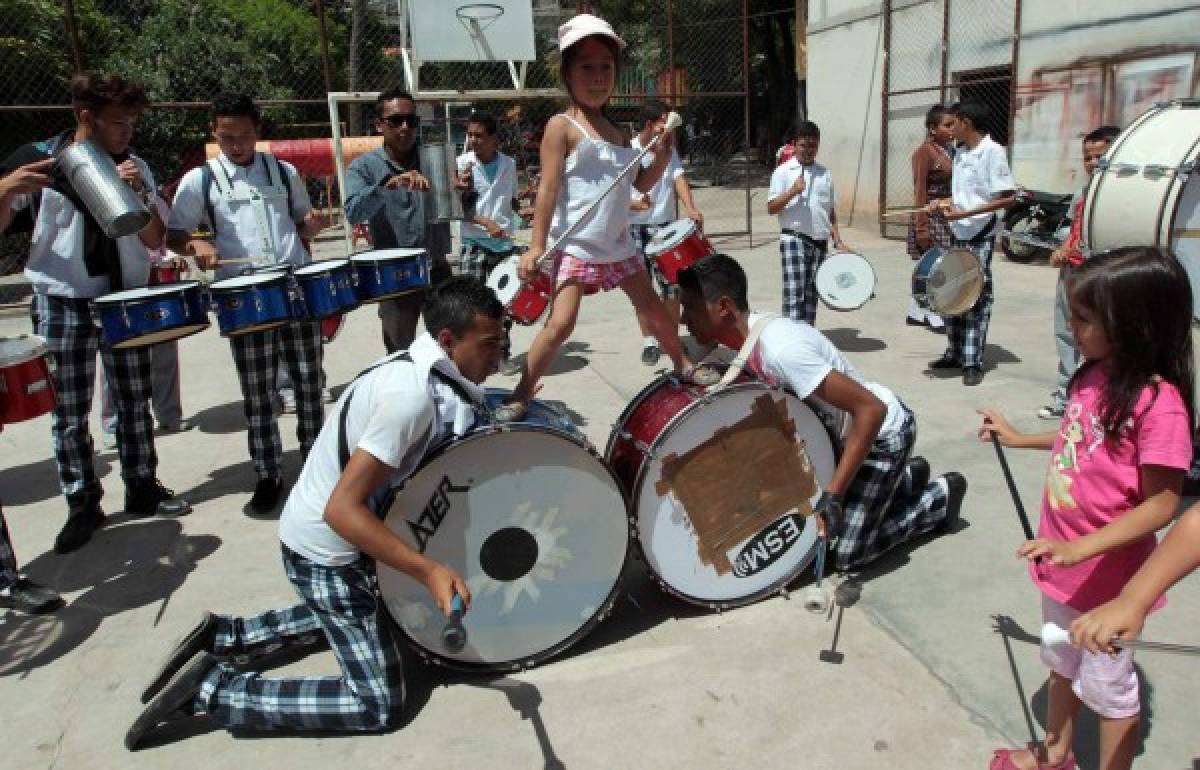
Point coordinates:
pixel 801 195
pixel 982 186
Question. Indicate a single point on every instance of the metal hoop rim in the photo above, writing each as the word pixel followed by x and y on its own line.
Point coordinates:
pixel 463 15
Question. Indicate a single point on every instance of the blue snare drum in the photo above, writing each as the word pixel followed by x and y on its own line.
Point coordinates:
pixel 329 287
pixel 947 281
pixel 539 414
pixel 147 316
pixel 252 303
pixel 387 273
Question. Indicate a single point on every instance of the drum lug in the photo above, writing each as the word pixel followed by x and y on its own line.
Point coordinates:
pixel 640 446
pixel 786 594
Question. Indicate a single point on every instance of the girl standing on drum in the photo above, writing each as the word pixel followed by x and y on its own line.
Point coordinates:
pixel 1118 463
pixel 582 154
pixel 931 165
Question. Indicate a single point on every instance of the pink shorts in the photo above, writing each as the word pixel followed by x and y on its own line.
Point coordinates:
pixel 1107 685
pixel 595 276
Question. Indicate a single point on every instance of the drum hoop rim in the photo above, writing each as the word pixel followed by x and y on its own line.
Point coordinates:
pixel 668 246
pixel 368 257
pixel 636 488
pixel 322 266
pixel 268 279
pixel 38 348
pixel 172 288
pixel 602 610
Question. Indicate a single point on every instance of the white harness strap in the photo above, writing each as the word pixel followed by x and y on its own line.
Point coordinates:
pixel 738 365
pixel 241 192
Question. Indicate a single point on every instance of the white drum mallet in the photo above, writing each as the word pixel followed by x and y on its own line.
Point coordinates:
pixel 816 598
pixel 1054 634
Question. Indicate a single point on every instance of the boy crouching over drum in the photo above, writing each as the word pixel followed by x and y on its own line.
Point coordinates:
pixel 880 495
pixel 380 430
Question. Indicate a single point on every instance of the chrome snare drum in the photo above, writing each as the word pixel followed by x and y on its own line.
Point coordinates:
pixel 947 281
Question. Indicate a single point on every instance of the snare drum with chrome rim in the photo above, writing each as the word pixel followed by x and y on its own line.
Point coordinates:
pixel 676 246
pixel 947 281
pixel 845 281
pixel 26 385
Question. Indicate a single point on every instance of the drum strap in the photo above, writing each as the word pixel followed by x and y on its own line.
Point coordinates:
pixel 738 365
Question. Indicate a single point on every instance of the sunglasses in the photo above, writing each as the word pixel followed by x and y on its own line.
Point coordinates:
pixel 395 121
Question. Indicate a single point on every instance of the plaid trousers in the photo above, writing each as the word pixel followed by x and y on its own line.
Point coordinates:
pixel 474 260
pixel 342 602
pixel 298 345
pixel 881 509
pixel 642 235
pixel 800 258
pixel 966 334
pixel 8 559
pixel 73 337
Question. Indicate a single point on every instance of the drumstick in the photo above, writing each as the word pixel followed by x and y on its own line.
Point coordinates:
pixel 896 213
pixel 1054 634
pixel 1012 490
pixel 673 122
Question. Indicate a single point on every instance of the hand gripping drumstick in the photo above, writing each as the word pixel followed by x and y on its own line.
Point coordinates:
pixel 1012 490
pixel 673 122
pixel 1054 634
pixel 454 636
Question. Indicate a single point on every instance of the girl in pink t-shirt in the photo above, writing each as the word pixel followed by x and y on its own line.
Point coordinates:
pixel 1116 467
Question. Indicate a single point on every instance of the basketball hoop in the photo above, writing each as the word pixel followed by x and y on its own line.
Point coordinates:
pixel 477 17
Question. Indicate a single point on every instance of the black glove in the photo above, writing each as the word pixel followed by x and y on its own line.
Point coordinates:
pixel 829 508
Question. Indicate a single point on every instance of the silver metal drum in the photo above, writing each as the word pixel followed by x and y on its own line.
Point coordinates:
pixel 112 202
pixel 442 201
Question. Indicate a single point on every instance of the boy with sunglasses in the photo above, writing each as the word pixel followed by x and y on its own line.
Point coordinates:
pixel 384 189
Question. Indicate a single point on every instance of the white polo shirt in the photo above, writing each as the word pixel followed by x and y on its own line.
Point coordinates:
pixel 495 195
pixel 236 227
pixel 662 195
pixel 810 212
pixel 979 175
pixel 56 265
pixel 397 413
pixel 793 354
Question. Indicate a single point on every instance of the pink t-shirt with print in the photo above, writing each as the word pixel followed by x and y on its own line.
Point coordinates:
pixel 1092 481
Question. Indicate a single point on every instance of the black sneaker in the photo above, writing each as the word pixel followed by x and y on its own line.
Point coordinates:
pixel 78 529
pixel 150 497
pixel 918 471
pixel 174 698
pixel 29 597
pixel 266 495
pixel 199 639
pixel 651 354
pixel 956 488
pixel 972 375
pixel 947 361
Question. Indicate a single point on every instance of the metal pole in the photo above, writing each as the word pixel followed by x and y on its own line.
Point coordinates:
pixel 671 52
pixel 945 48
pixel 1012 90
pixel 746 117
pixel 886 21
pixel 73 36
pixel 324 45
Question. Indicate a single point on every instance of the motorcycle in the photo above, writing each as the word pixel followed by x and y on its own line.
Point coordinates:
pixel 1036 225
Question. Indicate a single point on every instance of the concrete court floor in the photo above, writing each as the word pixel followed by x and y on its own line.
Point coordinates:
pixel 926 681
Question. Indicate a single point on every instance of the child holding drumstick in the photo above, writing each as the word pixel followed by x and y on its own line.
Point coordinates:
pixel 582 154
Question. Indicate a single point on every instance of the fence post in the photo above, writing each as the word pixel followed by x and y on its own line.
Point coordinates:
pixel 1012 92
pixel 886 21
pixel 73 36
pixel 746 118
pixel 324 45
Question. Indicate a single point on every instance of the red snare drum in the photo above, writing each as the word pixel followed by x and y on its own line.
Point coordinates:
pixel 524 303
pixel 677 245
pixel 26 388
pixel 720 486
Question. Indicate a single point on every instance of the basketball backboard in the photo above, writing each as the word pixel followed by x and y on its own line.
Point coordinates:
pixel 468 31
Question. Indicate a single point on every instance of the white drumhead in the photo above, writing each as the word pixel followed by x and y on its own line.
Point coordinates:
pixel 537 526
pixel 323 266
pixel 504 280
pixel 778 543
pixel 145 292
pixel 954 283
pixel 670 236
pixel 845 281
pixel 18 350
pixel 247 281
pixel 383 255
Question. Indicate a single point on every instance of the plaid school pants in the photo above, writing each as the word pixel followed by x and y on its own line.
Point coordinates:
pixel 478 262
pixel 966 334
pixel 800 257
pixel 72 336
pixel 298 345
pixel 342 602
pixel 881 509
pixel 8 559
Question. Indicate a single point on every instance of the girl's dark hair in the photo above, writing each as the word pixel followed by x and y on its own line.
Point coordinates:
pixel 1142 299
pixel 935 115
pixel 572 51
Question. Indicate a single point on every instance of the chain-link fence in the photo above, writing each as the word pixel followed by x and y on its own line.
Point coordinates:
pixel 941 52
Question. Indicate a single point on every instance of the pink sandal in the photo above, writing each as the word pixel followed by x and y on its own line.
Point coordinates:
pixel 1002 760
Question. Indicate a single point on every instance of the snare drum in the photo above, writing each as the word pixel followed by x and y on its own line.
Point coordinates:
pixel 252 303
pixel 154 314
pixel 536 524
pixel 676 246
pixel 1146 189
pixel 845 281
pixel 387 273
pixel 26 387
pixel 524 303
pixel 329 287
pixel 721 485
pixel 947 281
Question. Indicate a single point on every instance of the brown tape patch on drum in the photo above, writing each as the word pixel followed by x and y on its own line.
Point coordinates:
pixel 739 481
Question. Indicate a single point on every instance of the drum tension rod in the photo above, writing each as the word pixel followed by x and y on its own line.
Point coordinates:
pixel 639 445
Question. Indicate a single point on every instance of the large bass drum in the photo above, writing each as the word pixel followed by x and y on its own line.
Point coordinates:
pixel 536 524
pixel 721 484
pixel 1146 189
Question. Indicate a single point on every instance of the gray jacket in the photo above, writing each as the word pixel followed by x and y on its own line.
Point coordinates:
pixel 395 218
